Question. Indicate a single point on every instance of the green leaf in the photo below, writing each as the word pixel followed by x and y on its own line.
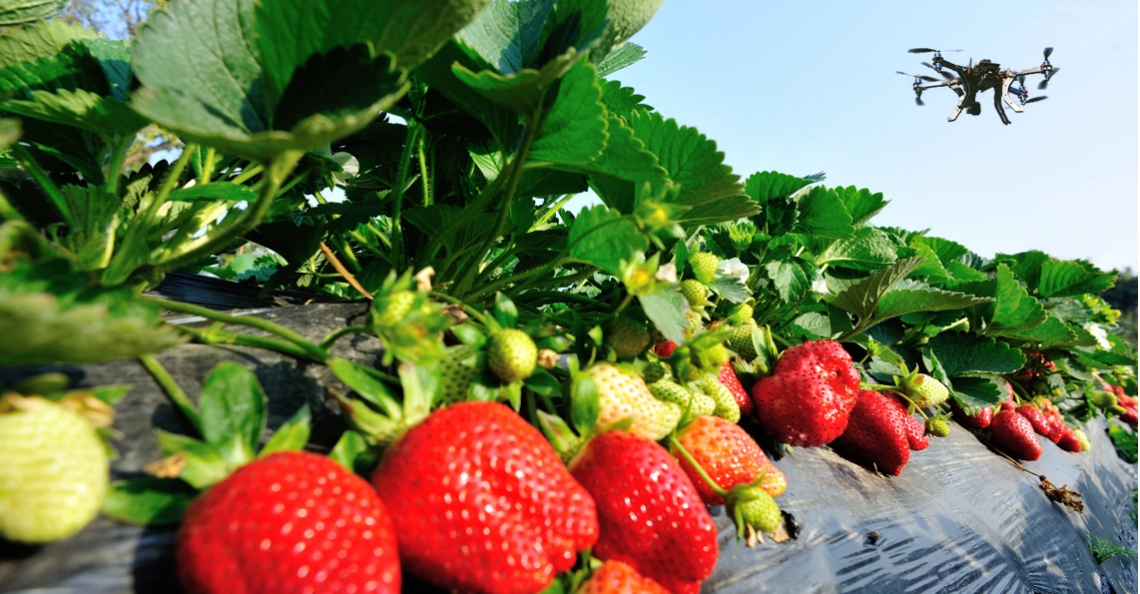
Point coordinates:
pixel 968 354
pixel 289 32
pixel 52 315
pixel 602 237
pixel 766 186
pixel 862 297
pixel 730 288
pixel 1072 278
pixel 42 39
pixel 505 311
pixel 1050 332
pixel 1025 265
pixel 860 204
pixel 868 249
pixel 916 297
pixel 225 192
pixel 503 123
pixel 16 12
pixel 822 214
pixel 621 101
pixel 708 187
pixel 574 130
pixel 542 382
pixel 665 308
pixel 202 78
pixel 584 404
pixel 341 86
pixel 353 452
pixel 508 35
pixel 290 436
pixel 975 393
pixel 205 465
pixel 812 324
pixel 791 278
pixel 232 409
pixel 625 55
pixel 523 91
pixel 358 378
pixel 148 501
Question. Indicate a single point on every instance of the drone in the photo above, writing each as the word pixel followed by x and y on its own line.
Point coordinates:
pixel 968 81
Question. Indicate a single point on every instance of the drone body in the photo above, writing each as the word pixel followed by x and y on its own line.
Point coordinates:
pixel 976 78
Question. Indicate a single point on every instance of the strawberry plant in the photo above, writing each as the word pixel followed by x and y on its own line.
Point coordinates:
pixel 419 156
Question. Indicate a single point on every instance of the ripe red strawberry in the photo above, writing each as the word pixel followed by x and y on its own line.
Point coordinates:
pixel 481 502
pixel 615 577
pixel 1036 418
pixel 978 421
pixel 808 397
pixel 665 349
pixel 289 522
pixel 1069 441
pixel 727 377
pixel 913 428
pixel 650 515
pixel 876 434
pixel 1013 434
pixel 729 456
pixel 512 355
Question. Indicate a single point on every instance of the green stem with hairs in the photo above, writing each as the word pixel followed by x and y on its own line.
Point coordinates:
pixel 311 350
pixel 173 391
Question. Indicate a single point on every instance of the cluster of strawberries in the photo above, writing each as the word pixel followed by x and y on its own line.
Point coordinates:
pixel 1013 427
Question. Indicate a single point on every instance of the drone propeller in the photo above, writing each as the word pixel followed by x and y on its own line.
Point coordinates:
pixel 1048 52
pixel 918 76
pixel 1045 83
pixel 926 50
pixel 945 75
pixel 1041 98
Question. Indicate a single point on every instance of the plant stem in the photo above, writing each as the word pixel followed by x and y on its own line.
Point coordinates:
pixel 423 171
pixel 414 132
pixel 173 391
pixel 278 169
pixel 331 339
pixel 336 263
pixel 127 257
pixel 115 164
pixel 43 180
pixel 214 336
pixel 676 443
pixel 312 350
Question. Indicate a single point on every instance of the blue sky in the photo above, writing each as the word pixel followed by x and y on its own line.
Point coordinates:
pixel 802 87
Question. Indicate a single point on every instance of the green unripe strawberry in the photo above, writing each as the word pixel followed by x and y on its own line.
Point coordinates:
pixel 396 306
pixel 1102 398
pixel 622 395
pixel 512 355
pixel 938 427
pixel 655 371
pixel 923 390
pixel 695 292
pixel 726 406
pixel 1083 439
pixel 628 338
pixel 694 404
pixel 693 319
pixel 740 315
pixel 704 266
pixel 741 341
pixel 54 473
pixel 457 370
pixel 754 507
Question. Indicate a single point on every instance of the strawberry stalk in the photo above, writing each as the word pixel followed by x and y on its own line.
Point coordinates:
pixel 735 499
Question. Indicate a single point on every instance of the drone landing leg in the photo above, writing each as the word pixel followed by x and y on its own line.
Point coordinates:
pixel 957 110
pixel 998 108
pixel 1005 96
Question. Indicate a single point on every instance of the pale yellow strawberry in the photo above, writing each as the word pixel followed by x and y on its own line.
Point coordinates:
pixel 624 395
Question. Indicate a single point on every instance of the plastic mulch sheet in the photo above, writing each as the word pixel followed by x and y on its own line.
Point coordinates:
pixel 961 518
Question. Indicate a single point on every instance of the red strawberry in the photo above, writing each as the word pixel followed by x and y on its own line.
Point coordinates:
pixel 1128 403
pixel 615 577
pixel 729 456
pixel 1036 418
pixel 915 431
pixel 1013 434
pixel 665 349
pixel 1069 441
pixel 1010 402
pixel 650 515
pixel 978 421
pixel 876 434
pixel 482 503
pixel 290 522
pixel 808 397
pixel 727 377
